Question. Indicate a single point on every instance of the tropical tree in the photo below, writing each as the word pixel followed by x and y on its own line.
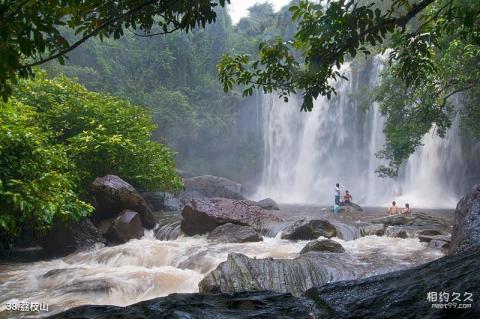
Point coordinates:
pixel 434 53
pixel 31 31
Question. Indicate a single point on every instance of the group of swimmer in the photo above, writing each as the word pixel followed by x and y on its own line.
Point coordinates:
pixel 347 200
pixel 394 210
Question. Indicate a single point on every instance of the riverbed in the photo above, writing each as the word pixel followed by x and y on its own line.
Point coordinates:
pixel 149 268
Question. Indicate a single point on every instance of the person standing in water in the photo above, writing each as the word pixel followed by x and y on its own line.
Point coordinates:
pixel 393 210
pixel 407 211
pixel 337 194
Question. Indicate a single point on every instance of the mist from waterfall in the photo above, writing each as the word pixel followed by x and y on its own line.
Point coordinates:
pixel 306 153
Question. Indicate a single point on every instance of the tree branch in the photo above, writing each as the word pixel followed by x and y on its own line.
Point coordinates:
pixel 14 13
pixel 91 34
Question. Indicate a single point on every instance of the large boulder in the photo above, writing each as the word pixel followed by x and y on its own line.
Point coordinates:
pixel 268 203
pixel 231 233
pixel 214 186
pixel 308 229
pixel 407 293
pixel 67 237
pixel 125 227
pixel 186 197
pixel 242 305
pixel 201 216
pixel 415 220
pixel 111 195
pixel 295 276
pixel 466 228
pixel 323 245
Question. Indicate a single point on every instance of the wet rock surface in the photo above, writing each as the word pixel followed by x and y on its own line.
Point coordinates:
pixel 111 195
pixel 67 237
pixel 372 229
pixel 295 276
pixel 308 229
pixel 403 294
pixel 324 245
pixel 243 305
pixel 466 229
pixel 268 203
pixel 125 227
pixel 231 233
pixel 162 201
pixel 201 216
pixel 214 186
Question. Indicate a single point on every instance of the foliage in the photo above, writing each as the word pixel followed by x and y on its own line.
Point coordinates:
pixel 102 134
pixel 174 77
pixel 433 50
pixel 31 31
pixel 56 137
pixel 37 178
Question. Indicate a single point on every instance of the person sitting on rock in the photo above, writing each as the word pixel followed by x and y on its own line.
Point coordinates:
pixel 393 210
pixel 407 211
pixel 347 198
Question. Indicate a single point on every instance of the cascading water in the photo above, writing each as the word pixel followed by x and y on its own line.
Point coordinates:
pixel 305 154
pixel 148 268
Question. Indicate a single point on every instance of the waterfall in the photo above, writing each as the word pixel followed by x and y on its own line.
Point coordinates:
pixel 306 153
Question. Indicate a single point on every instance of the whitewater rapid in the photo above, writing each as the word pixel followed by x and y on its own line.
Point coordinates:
pixel 148 268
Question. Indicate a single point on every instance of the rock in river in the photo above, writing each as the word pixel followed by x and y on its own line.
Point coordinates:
pixel 308 229
pixel 323 245
pixel 268 203
pixel 242 305
pixel 214 186
pixel 67 237
pixel 405 293
pixel 466 229
pixel 294 276
pixel 204 215
pixel 125 227
pixel 111 195
pixel 231 233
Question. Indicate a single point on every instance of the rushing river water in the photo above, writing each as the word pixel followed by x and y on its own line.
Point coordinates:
pixel 149 268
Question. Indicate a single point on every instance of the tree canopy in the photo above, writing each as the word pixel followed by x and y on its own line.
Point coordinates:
pixel 31 31
pixel 56 137
pixel 433 49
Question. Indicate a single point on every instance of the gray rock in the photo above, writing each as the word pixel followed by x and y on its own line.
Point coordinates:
pixel 268 203
pixel 186 197
pixel 308 229
pixel 162 201
pixel 154 199
pixel 414 220
pixel 111 195
pixel 242 305
pixel 295 276
pixel 439 244
pixel 214 186
pixel 396 231
pixel 204 215
pixel 372 229
pixel 429 234
pixel 67 237
pixel 231 233
pixel 403 294
pixel 466 228
pixel 323 245
pixel 125 227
